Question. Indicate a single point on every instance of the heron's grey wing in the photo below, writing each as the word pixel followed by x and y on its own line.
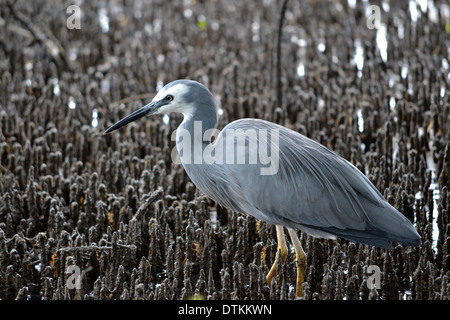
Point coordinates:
pixel 315 189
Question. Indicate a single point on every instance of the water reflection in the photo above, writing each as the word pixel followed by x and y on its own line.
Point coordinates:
pixel 301 54
pixel 381 40
pixel 71 104
pixel 413 11
pixel 351 3
pixel 321 46
pixel 360 120
pixel 392 104
pixel 358 58
pixel 404 70
pixel 301 69
pixel 436 195
pixel 94 122
pixel 103 20
pixel 56 89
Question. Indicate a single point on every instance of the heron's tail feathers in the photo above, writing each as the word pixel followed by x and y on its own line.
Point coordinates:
pixel 374 237
pixel 382 226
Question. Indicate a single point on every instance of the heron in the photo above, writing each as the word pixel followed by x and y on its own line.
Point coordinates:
pixel 276 175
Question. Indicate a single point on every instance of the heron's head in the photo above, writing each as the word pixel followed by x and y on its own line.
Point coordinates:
pixel 182 96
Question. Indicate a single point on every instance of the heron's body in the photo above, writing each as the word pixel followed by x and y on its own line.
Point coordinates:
pixel 315 190
pixel 311 188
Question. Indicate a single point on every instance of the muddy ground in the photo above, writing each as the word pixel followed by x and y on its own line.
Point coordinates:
pixel 87 216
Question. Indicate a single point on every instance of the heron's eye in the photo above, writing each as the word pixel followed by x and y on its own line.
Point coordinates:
pixel 169 97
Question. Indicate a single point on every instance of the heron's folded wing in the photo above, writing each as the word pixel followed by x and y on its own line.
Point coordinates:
pixel 311 186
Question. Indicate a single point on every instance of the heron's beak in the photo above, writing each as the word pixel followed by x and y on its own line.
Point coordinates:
pixel 142 112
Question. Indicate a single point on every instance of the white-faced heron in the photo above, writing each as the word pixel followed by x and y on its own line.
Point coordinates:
pixel 276 175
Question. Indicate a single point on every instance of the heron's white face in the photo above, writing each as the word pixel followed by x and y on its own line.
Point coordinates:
pixel 173 99
pixel 182 96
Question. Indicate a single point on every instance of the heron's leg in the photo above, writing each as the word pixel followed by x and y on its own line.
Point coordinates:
pixel 300 260
pixel 282 250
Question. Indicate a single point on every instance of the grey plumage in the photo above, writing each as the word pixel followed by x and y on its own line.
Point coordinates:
pixel 314 189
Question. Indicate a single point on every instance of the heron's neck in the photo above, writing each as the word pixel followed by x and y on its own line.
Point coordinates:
pixel 194 133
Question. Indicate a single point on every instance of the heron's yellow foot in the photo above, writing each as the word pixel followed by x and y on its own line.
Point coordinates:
pixel 282 250
pixel 300 261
